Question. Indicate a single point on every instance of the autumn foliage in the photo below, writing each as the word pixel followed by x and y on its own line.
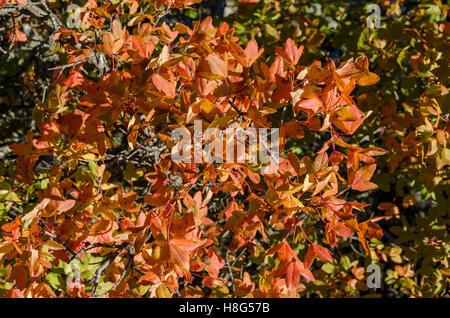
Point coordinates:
pixel 134 223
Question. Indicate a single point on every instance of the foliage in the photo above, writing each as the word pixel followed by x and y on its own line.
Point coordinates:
pixel 94 205
pixel 411 106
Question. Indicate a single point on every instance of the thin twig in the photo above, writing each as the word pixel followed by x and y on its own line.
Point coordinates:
pixel 227 261
pixel 14 33
pixel 239 256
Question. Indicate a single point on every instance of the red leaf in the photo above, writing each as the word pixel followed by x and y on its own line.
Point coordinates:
pixel 371 230
pixel 180 251
pixel 319 251
pixel 285 253
pixel 292 272
pixel 291 53
pixel 360 181
pixel 322 253
pixel 343 230
pixel 309 258
pixel 217 65
pixel 163 85
pixel 311 105
pixel 63 206
pixel 110 46
pixel 363 242
pixel 149 278
pixel 251 50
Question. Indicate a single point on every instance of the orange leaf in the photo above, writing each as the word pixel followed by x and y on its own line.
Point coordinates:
pixel 66 205
pixel 319 251
pixel 291 53
pixel 163 85
pixel 322 253
pixel 180 251
pixel 311 105
pixel 364 242
pixel 343 230
pixel 217 65
pixel 370 229
pixel 149 278
pixel 251 50
pixel 110 46
pixel 368 78
pixel 360 180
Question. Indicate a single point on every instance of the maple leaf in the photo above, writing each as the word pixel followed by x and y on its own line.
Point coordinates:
pixel 248 56
pixel 292 267
pixel 181 250
pixel 168 34
pixel 110 46
pixel 214 263
pixel 149 278
pixel 360 180
pixel 3 3
pixel 370 229
pixel 316 250
pixel 217 66
pixel 252 52
pixel 363 241
pixel 33 214
pixel 163 85
pixel 343 230
pixel 65 205
pixel 291 53
pixel 243 287
pixel 310 106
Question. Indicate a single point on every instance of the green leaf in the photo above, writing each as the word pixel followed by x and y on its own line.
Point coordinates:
pixel 55 280
pixel 328 268
pixel 271 31
pixel 191 14
pixel 6 193
pixel 345 262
